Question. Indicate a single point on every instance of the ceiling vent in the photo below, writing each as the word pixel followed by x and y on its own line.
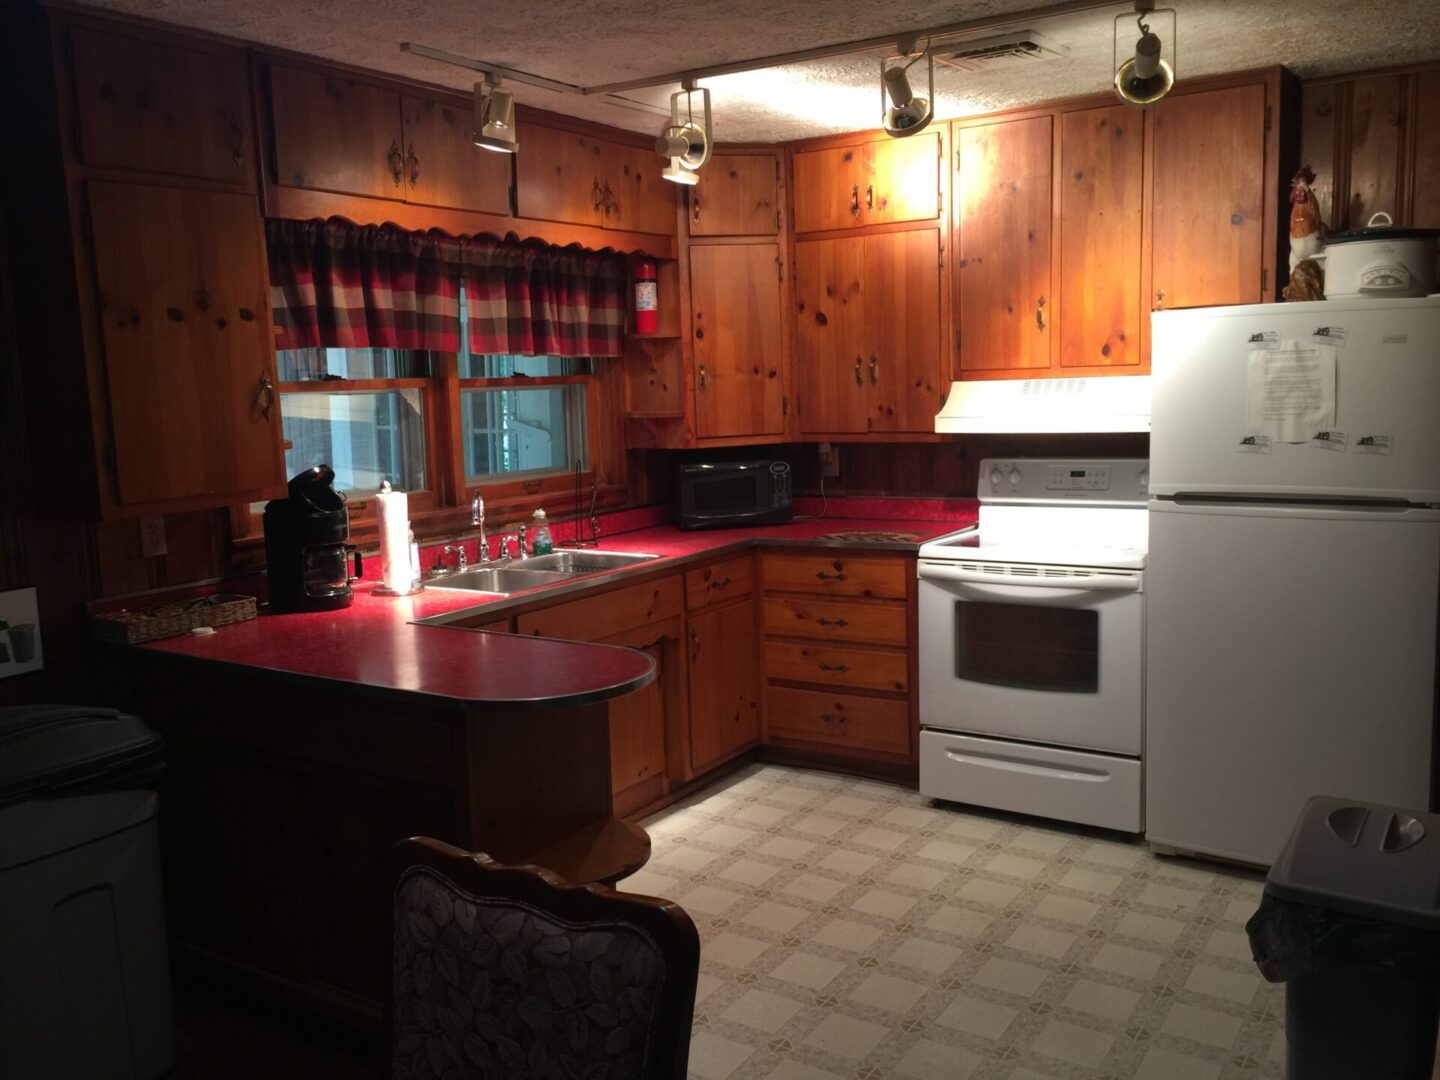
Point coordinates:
pixel 1018 49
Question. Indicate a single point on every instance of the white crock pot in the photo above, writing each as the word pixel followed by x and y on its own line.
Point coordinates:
pixel 1380 261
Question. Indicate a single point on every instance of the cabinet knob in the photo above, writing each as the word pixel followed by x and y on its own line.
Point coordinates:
pixel 874 369
pixel 265 395
pixel 869 196
pixel 855 200
pixel 414 163
pixel 595 196
pixel 1040 314
pixel 701 376
pixel 823 576
pixel 859 379
pixel 397 164
pixel 720 583
pixel 695 207
pixel 1159 299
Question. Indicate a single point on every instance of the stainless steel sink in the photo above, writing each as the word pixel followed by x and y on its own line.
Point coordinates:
pixel 502 579
pixel 576 563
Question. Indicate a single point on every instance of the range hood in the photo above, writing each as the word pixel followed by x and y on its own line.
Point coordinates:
pixel 1013 406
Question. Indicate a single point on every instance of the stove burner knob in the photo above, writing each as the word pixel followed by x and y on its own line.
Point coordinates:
pixel 995 477
pixel 1144 481
pixel 1014 477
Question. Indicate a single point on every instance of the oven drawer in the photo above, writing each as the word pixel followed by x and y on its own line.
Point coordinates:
pixel 1067 785
pixel 836 620
pixel 836 665
pixel 839 720
pixel 839 576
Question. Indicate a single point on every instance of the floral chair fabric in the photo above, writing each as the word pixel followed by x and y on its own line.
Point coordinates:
pixel 494 989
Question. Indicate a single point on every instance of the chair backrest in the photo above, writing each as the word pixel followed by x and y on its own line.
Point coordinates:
pixel 508 970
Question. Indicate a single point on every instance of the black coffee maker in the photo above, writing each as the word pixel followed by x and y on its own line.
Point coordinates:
pixel 307 550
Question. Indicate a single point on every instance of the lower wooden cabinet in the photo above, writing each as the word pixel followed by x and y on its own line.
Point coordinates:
pixel 844 721
pixel 724 683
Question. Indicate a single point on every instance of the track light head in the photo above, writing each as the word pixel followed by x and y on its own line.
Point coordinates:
pixel 905 114
pixel 1146 77
pixel 495 115
pixel 685 140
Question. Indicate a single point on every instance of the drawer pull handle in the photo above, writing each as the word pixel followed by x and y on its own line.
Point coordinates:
pixel 823 576
pixel 831 622
pixel 834 667
pixel 855 200
pixel 827 718
pixel 720 583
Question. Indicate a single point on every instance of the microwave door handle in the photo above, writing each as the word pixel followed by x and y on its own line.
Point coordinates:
pixel 977 580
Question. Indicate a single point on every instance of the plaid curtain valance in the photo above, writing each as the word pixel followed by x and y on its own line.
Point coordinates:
pixel 338 285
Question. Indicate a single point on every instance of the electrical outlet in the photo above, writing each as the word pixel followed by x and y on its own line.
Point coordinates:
pixel 829 459
pixel 152 537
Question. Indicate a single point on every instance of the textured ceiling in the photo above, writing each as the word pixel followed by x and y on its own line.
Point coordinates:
pixel 600 41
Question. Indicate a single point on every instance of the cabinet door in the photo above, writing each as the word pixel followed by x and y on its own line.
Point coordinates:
pixel 1102 162
pixel 1425 162
pixel 336 134
pixel 637 725
pixel 153 107
pixel 444 167
pixel 902 179
pixel 182 284
pixel 1002 258
pixel 637 197
pixel 724 683
pixel 830 335
pixel 736 195
pixel 559 176
pixel 735 313
pixel 1377 108
pixel 902 325
pixel 828 188
pixel 1207 213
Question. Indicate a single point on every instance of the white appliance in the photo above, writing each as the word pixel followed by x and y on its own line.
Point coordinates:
pixel 1291 642
pixel 1117 403
pixel 1031 645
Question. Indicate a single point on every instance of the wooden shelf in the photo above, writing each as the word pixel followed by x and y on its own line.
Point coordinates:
pixel 603 851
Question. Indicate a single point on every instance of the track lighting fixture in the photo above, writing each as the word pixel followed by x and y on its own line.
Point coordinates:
pixel 1146 77
pixel 684 141
pixel 495 117
pixel 906 114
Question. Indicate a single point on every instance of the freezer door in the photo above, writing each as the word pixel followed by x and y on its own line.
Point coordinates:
pixel 1289 653
pixel 1386 399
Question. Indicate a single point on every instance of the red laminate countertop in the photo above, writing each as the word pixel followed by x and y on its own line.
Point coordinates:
pixel 376 642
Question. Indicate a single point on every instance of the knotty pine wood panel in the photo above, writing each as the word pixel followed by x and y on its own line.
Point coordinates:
pixel 336 133
pixel 1377 109
pixel 638 198
pixel 903 330
pixel 828 188
pixel 1101 180
pixel 596 617
pixel 824 575
pixel 1002 270
pixel 901 180
pixel 737 327
pixel 720 582
pixel 830 334
pixel 736 195
pixel 838 720
pixel 1320 126
pixel 836 620
pixel 153 107
pixel 444 167
pixel 1207 231
pixel 837 665
pixel 1425 157
pixel 724 683
pixel 560 176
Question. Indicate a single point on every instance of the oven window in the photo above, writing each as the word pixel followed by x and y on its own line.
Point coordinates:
pixel 1033 648
pixel 726 495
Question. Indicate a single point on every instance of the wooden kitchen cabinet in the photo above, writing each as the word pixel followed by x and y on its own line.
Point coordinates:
pixel 188 360
pixel 868 332
pixel 443 166
pixel 736 195
pixel 145 105
pixel 724 683
pixel 871 183
pixel 736 327
pixel 719 582
pixel 580 179
pixel 336 133
pixel 1425 156
pixel 1002 277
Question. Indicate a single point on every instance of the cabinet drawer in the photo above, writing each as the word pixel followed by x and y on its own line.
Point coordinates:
pixel 609 613
pixel 838 576
pixel 734 577
pixel 839 720
pixel 837 666
pixel 835 620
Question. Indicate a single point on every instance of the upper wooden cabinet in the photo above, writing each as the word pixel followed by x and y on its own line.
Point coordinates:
pixel 736 195
pixel 188 361
pixel 1208 228
pixel 1425 159
pixel 148 106
pixel 580 179
pixel 340 134
pixel 868 328
pixel 736 327
pixel 444 167
pixel 870 183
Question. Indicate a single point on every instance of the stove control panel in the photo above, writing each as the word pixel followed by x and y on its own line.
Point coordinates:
pixel 1108 480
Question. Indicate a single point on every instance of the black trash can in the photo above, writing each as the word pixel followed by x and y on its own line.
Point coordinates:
pixel 84 970
pixel 1350 922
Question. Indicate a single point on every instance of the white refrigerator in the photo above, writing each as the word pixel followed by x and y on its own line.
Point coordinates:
pixel 1294 567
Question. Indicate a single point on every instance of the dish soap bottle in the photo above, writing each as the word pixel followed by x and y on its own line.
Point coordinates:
pixel 541 544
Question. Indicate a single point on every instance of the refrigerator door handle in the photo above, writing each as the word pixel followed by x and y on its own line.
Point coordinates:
pixel 1328 511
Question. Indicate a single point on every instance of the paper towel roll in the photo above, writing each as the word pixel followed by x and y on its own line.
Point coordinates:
pixel 396 571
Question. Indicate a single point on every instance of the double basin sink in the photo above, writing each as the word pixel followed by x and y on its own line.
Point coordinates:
pixel 537 572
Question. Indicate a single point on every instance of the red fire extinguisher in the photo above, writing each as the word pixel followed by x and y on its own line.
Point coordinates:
pixel 647 314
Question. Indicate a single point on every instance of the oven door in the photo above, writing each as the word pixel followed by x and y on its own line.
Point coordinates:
pixel 1048 654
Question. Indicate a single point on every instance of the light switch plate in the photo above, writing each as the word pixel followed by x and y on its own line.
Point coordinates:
pixel 20 650
pixel 152 537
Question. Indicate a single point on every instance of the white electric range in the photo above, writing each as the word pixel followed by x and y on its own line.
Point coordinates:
pixel 1032 643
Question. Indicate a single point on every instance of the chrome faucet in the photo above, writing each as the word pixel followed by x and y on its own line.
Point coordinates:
pixel 477 520
pixel 458 550
pixel 520 538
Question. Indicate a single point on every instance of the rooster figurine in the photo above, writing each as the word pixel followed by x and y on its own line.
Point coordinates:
pixel 1307 231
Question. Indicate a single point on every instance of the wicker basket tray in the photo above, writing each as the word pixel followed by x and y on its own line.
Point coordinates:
pixel 167 620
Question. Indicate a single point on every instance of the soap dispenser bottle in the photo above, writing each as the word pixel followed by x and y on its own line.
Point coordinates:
pixel 541 543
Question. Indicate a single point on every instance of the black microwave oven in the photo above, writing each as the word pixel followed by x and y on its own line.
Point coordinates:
pixel 734 493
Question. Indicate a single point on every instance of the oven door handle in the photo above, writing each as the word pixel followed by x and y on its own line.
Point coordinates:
pixel 1105 583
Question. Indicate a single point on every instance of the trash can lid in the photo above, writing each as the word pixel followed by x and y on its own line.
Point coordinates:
pixel 1379 862
pixel 45 747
